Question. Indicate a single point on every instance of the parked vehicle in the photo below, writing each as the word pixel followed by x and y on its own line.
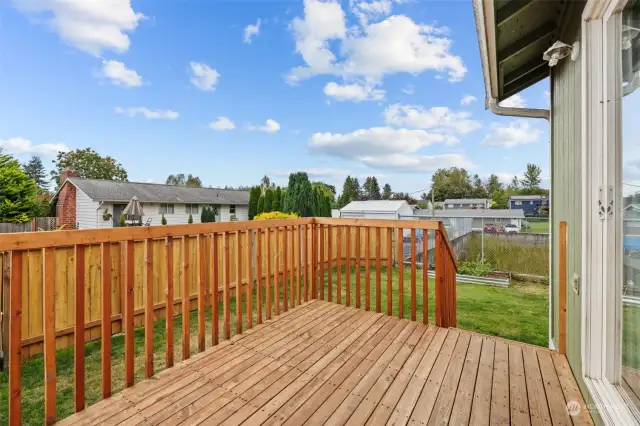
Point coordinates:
pixel 511 229
pixel 490 227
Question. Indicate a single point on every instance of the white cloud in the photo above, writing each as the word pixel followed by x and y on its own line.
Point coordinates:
pixel 515 101
pixel 269 126
pixel 439 118
pixel 395 45
pixel 203 76
pixel 468 99
pixel 120 75
pixel 20 146
pixel 409 89
pixel 387 148
pixel 222 123
pixel 156 114
pixel 353 92
pixel 374 10
pixel 91 26
pixel 516 132
pixel 251 31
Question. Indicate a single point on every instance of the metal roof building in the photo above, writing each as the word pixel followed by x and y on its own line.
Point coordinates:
pixel 377 209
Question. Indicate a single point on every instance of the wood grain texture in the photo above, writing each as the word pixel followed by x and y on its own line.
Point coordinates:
pixel 168 249
pixel 259 283
pixel 330 263
pixel 378 273
pixel 400 263
pixel 248 236
pixel 425 276
pixel 148 308
pixel 413 275
pixel 128 286
pixel 186 289
pixel 339 264
pixel 389 271
pixel 15 338
pixel 226 290
pixel 367 271
pixel 78 355
pixel 105 315
pixel 49 328
pixel 321 230
pixel 202 289
pixel 348 265
pixel 239 283
pixel 269 275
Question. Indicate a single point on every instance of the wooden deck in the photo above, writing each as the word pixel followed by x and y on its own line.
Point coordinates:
pixel 323 363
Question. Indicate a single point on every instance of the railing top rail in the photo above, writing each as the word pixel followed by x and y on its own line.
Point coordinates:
pixel 380 223
pixel 38 240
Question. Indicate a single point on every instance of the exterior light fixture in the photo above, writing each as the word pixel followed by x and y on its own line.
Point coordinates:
pixel 557 51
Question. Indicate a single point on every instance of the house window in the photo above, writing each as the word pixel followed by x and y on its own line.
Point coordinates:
pixel 450 206
pixel 232 209
pixel 166 208
pixel 518 203
pixel 191 208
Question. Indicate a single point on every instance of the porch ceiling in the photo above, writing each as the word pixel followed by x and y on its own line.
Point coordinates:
pixel 517 33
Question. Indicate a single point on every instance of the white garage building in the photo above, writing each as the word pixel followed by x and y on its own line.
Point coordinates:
pixel 377 209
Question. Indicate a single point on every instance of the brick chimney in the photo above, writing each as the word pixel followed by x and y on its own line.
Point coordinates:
pixel 66 205
pixel 66 173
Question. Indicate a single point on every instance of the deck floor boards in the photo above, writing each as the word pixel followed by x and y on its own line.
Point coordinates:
pixel 322 363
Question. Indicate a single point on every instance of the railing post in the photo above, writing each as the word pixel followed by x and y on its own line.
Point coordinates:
pixel 440 281
pixel 15 340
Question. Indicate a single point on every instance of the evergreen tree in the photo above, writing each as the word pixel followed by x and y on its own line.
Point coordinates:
pixel 190 220
pixel 268 200
pixel 371 189
pixel 350 191
pixel 260 208
pixel 163 220
pixel 275 206
pixel 254 196
pixel 122 222
pixel 35 170
pixel 386 192
pixel 17 192
pixel 299 195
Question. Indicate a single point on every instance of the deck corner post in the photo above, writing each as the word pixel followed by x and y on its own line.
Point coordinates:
pixel 440 281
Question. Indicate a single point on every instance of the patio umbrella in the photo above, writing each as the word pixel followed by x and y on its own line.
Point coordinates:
pixel 134 208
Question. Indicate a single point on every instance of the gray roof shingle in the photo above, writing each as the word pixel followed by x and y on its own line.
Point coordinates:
pixel 111 190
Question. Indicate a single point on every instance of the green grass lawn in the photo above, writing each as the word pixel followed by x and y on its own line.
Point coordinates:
pixel 541 227
pixel 519 312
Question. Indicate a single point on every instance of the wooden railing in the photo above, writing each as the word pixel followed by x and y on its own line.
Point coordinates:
pixel 262 268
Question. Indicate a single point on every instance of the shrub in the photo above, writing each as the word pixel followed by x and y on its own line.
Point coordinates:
pixel 163 220
pixel 121 222
pixel 479 268
pixel 275 215
pixel 190 221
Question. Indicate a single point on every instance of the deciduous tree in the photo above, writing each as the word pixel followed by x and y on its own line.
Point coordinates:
pixel 87 163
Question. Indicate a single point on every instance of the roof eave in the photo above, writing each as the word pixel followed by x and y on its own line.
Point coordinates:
pixel 484 14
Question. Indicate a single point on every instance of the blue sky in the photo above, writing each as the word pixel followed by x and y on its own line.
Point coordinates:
pixel 230 91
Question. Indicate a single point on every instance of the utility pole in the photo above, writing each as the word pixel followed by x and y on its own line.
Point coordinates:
pixel 433 203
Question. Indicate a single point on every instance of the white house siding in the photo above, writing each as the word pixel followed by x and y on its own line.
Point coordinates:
pixel 242 213
pixel 86 211
pixel 180 216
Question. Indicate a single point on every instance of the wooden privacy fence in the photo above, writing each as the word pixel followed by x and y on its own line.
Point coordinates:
pixel 59 280
pixel 34 225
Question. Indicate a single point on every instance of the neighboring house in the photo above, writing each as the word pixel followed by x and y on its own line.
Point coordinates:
pixel 82 202
pixel 479 218
pixel 594 103
pixel 530 204
pixel 466 203
pixel 377 209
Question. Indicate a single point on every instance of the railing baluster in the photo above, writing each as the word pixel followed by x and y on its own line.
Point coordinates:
pixel 49 331
pixel 186 293
pixel 425 276
pixel 168 249
pixel 389 272
pixel 238 282
pixel 215 288
pixel 226 289
pixel 348 266
pixel 15 340
pixel 306 262
pixel 148 307
pixel 268 286
pixel 259 275
pixel 400 260
pixel 298 260
pixel 358 243
pixel 378 273
pixel 413 274
pixel 320 230
pixel 249 288
pixel 339 264
pixel 105 316
pixel 367 266
pixel 314 261
pixel 330 229
pixel 127 272
pixel 78 355
pixel 285 270
pixel 200 254
pixel 292 294
pixel 440 276
pixel 276 274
